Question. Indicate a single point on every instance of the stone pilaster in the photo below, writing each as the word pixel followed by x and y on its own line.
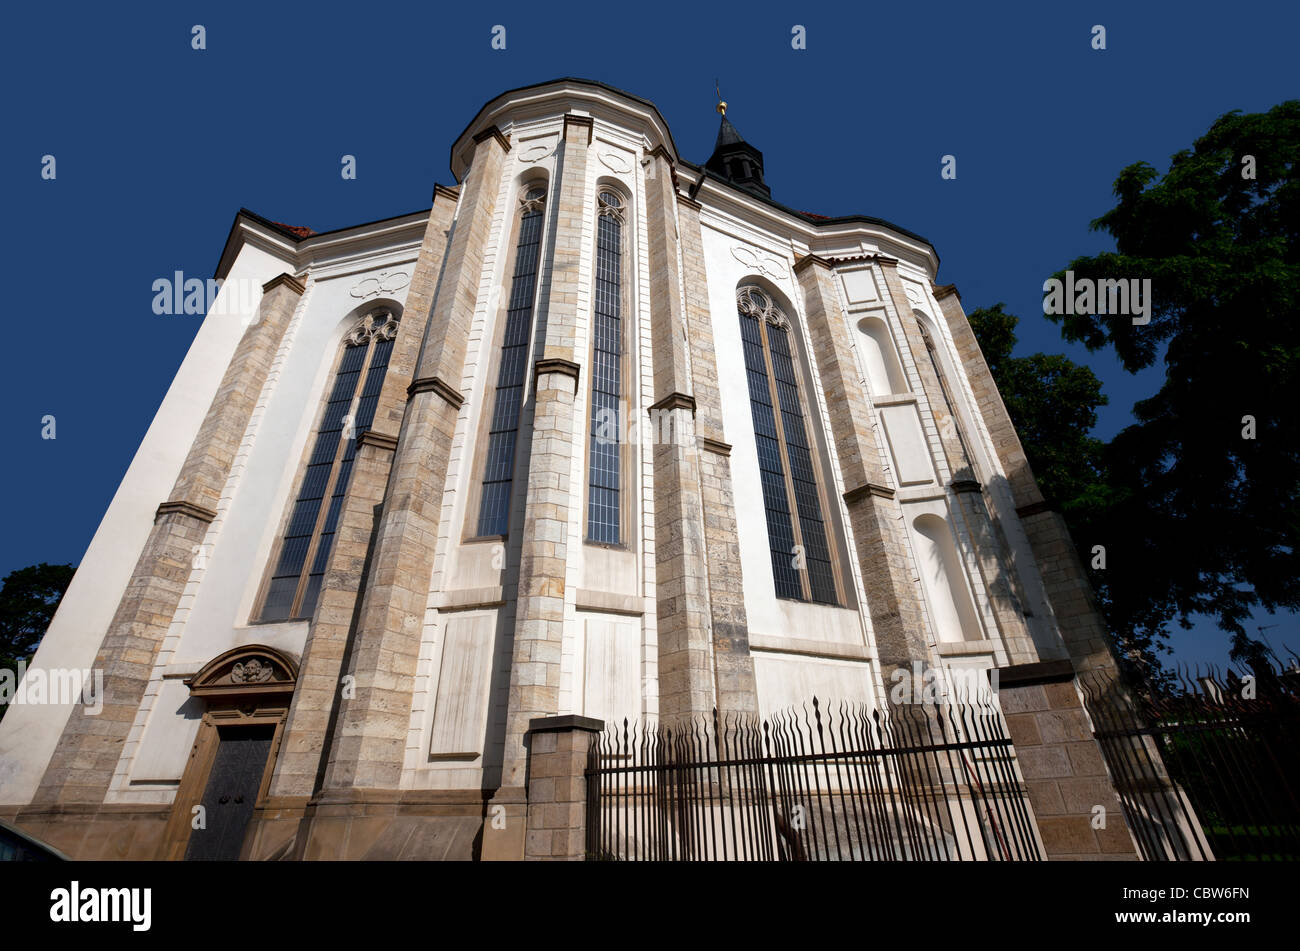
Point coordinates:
pixel 557 787
pixel 544 549
pixel 306 732
pixel 993 559
pixel 87 753
pixel 1074 603
pixel 874 514
pixel 733 665
pixel 1064 579
pixel 681 562
pixel 667 322
pixel 369 739
pixel 988 401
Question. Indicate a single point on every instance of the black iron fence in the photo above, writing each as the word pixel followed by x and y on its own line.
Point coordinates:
pixel 1209 770
pixel 932 782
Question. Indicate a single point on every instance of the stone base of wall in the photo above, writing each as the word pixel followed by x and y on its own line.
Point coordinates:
pixel 377 825
pixel 506 825
pixel 1062 765
pixel 371 825
pixel 95 832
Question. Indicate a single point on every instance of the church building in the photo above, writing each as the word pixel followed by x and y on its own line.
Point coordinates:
pixel 599 434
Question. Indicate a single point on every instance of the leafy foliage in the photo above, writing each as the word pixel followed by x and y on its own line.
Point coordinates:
pixel 1202 519
pixel 28 599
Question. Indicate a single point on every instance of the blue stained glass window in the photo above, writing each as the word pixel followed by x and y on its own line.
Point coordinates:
pixel 349 411
pixel 603 490
pixel 498 474
pixel 781 439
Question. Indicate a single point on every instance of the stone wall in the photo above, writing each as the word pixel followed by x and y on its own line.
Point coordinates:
pixel 1078 812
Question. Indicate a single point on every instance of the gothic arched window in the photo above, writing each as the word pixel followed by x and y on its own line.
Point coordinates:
pixel 503 429
pixel 796 533
pixel 349 410
pixel 603 489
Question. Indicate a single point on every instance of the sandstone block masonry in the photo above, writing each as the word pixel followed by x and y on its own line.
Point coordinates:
pixel 84 761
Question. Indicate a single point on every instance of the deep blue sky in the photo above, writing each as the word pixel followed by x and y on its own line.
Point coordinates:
pixel 158 146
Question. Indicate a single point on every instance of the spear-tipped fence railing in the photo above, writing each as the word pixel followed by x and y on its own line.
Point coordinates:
pixel 1207 770
pixel 930 782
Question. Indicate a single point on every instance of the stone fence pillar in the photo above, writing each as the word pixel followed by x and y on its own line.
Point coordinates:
pixel 557 786
pixel 1062 764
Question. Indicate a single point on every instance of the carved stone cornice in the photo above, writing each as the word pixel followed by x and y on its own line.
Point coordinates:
pixel 966 485
pixel 660 152
pixel 197 512
pixel 437 385
pixel 1034 508
pixel 444 191
pixel 715 446
pixel 676 401
pixel 288 280
pixel 378 440
pixel 808 260
pixel 1039 672
pixel 586 122
pixel 565 723
pixel 944 290
pixel 866 489
pixel 556 365
pixel 492 132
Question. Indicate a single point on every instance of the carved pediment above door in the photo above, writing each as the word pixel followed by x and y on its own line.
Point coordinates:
pixel 244 672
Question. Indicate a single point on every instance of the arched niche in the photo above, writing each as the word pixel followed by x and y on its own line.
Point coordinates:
pixel 884 372
pixel 944 580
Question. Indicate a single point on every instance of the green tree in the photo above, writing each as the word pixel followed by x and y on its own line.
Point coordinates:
pixel 28 599
pixel 1053 403
pixel 1206 509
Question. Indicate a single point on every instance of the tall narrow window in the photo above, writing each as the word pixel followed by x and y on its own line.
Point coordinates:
pixel 607 373
pixel 796 533
pixel 498 476
pixel 349 411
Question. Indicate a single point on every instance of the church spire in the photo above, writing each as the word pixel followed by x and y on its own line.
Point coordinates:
pixel 734 159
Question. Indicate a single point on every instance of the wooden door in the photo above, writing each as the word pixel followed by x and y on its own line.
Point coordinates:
pixel 231 792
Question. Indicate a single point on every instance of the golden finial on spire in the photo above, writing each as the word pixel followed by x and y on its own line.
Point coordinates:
pixel 722 106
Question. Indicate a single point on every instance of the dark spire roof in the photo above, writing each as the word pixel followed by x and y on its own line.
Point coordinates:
pixel 737 161
pixel 727 135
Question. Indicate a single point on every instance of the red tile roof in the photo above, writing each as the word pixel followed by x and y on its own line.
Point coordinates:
pixel 301 231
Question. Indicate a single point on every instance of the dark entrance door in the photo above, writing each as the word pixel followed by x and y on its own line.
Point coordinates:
pixel 231 792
